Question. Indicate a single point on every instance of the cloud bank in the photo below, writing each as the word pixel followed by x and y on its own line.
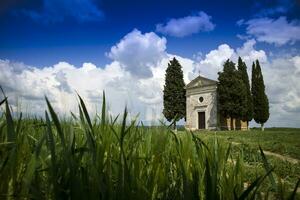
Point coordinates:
pixel 138 82
pixel 188 25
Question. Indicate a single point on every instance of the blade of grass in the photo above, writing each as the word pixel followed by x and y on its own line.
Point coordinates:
pixel 10 131
pixel 89 131
pixel 56 123
pixel 103 111
pixel 4 100
pixel 209 190
pixel 86 114
pixel 50 141
pixel 293 195
pixel 19 124
pixel 73 115
pixel 267 167
pixel 51 147
pixel 255 184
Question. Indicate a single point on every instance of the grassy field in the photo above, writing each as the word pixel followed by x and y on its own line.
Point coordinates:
pixel 281 146
pixel 113 158
pixel 284 141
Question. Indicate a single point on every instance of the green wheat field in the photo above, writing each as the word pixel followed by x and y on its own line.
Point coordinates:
pixel 114 158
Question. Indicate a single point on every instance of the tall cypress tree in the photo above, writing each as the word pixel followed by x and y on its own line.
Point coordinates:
pixel 260 100
pixel 174 93
pixel 247 115
pixel 225 81
pixel 231 92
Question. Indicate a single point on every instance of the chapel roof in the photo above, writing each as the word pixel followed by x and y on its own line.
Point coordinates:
pixel 200 81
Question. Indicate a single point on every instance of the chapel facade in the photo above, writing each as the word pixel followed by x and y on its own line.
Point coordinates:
pixel 202 107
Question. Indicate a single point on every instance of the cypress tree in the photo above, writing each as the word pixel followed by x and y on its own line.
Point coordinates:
pixel 247 115
pixel 174 93
pixel 223 88
pixel 260 100
pixel 231 92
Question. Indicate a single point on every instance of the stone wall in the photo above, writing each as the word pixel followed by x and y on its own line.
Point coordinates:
pixel 208 105
pixel 232 124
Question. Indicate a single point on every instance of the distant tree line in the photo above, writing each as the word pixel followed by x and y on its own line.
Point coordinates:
pixel 236 99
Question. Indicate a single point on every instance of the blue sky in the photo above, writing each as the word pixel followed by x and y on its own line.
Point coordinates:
pixel 58 35
pixel 50 44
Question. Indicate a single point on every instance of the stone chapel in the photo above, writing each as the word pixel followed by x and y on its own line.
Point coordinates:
pixel 202 107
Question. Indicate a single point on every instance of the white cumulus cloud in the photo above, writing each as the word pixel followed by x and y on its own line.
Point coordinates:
pixel 278 31
pixel 249 53
pixel 137 52
pixel 188 25
pixel 213 61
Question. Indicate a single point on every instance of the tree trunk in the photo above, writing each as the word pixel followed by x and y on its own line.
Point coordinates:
pixel 228 123
pixel 174 126
pixel 248 129
pixel 262 127
pixel 234 123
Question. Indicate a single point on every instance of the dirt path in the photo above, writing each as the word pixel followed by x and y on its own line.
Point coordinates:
pixel 281 157
pixel 286 158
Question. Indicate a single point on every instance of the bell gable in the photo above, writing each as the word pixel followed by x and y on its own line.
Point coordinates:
pixel 201 81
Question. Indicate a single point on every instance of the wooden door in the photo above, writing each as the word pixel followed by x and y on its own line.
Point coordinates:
pixel 201 120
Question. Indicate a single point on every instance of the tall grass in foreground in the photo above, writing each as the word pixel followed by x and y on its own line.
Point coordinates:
pixel 108 158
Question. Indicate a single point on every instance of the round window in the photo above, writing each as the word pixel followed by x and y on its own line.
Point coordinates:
pixel 200 99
